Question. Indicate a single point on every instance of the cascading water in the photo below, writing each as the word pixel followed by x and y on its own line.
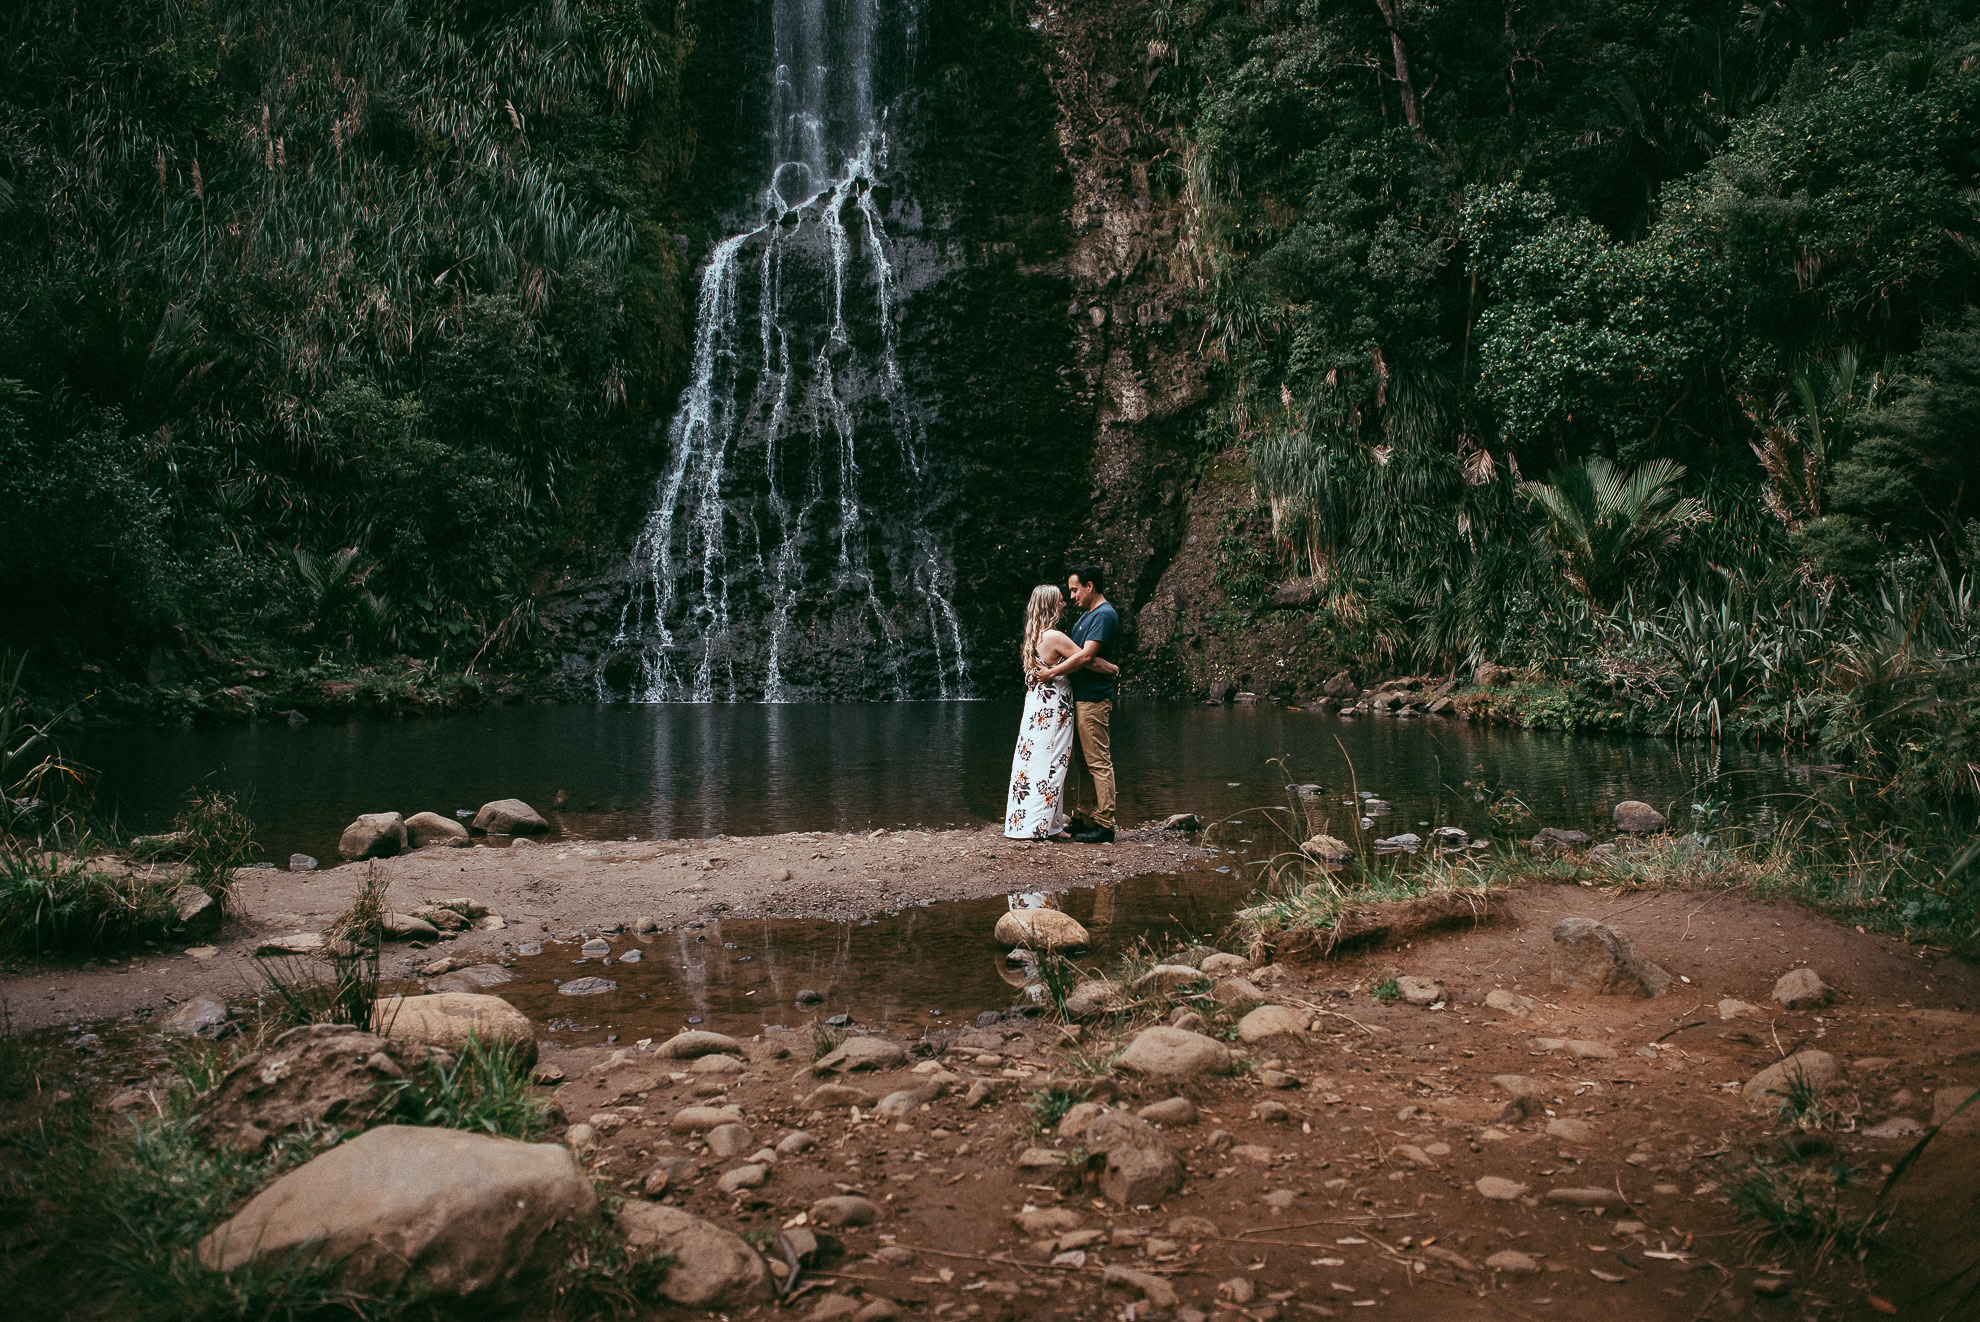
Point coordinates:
pixel 791 549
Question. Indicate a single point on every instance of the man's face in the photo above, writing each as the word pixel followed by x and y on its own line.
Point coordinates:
pixel 1077 590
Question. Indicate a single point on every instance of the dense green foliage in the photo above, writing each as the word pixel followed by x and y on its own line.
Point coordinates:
pixel 321 315
pixel 1708 269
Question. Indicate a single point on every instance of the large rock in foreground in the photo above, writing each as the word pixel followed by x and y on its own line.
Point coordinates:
pixel 1036 929
pixel 1174 1053
pixel 373 835
pixel 450 1211
pixel 1595 957
pixel 445 1019
pixel 509 817
pixel 712 1268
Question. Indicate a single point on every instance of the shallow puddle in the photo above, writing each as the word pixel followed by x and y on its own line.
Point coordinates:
pixel 904 971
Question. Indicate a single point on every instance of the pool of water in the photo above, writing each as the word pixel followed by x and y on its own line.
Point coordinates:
pixel 904 972
pixel 734 769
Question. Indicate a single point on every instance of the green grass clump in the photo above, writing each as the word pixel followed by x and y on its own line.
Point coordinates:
pixel 1803 1210
pixel 1386 990
pixel 1045 1108
pixel 51 902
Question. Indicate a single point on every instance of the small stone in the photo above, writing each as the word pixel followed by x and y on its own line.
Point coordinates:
pixel 1167 979
pixel 205 1015
pixel 1512 1003
pixel 752 1176
pixel 845 1210
pixel 1278 1079
pixel 1584 1197
pixel 1077 1117
pixel 695 1043
pixel 646 923
pixel 1222 964
pixel 1513 1263
pixel 712 1268
pixel 1174 1053
pixel 587 986
pixel 1152 1288
pixel 1801 989
pixel 1818 1068
pixel 1732 1009
pixel 302 863
pixel 1239 995
pixel 1271 1021
pixel 728 1140
pixel 509 817
pixel 1578 1132
pixel 595 947
pixel 297 943
pixel 1499 1190
pixel 1094 998
pixel 1034 1159
pixel 373 835
pixel 1275 1113
pixel 1420 991
pixel 1044 929
pixel 862 1053
pixel 700 1119
pixel 1172 1113
pixel 1237 1290
pixel 1038 1222
pixel 1189 1021
pixel 717 1065
pixel 791 1144
pixel 834 1096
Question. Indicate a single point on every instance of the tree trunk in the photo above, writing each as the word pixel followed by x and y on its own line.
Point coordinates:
pixel 1411 111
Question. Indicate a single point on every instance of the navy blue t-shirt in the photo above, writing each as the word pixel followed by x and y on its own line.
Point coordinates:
pixel 1099 623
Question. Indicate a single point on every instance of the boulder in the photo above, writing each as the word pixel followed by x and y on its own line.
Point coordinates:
pixel 430 828
pixel 1818 1068
pixel 862 1053
pixel 695 1043
pixel 1219 964
pixel 712 1268
pixel 728 1140
pixel 1326 849
pixel 509 817
pixel 309 1078
pixel 1078 1116
pixel 1637 818
pixel 205 1015
pixel 1801 989
pixel 1139 1166
pixel 446 1211
pixel 1595 957
pixel 1270 1021
pixel 373 835
pixel 1420 991
pixel 1051 929
pixel 302 863
pixel 1173 1053
pixel 752 1175
pixel 1489 676
pixel 445 1019
pixel 1554 840
pixel 1091 1000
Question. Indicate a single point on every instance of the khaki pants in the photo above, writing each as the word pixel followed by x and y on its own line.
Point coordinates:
pixel 1093 761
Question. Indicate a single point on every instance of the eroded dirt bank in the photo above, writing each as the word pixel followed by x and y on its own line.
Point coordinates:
pixel 567 885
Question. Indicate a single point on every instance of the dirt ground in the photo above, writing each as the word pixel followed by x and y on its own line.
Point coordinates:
pixel 566 884
pixel 1363 1193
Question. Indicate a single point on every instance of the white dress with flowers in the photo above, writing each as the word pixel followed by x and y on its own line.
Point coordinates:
pixel 1037 804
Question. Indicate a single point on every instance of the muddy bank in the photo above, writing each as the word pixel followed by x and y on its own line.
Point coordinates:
pixel 544 891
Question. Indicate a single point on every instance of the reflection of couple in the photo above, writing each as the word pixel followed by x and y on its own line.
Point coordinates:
pixel 1068 699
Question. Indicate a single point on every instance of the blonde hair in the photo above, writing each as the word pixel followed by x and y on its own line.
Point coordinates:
pixel 1039 615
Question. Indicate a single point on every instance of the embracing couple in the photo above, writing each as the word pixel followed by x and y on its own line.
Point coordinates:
pixel 1068 700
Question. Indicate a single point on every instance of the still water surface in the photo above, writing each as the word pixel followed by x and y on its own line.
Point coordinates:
pixel 700 770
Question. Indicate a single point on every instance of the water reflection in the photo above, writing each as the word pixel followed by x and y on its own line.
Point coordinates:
pixel 701 770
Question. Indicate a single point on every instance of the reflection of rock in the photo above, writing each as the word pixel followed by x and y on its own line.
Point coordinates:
pixel 1053 929
pixel 451 1212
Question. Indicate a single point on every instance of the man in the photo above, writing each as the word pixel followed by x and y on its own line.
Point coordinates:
pixel 1093 703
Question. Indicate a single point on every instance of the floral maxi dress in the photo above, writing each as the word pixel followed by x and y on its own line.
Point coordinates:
pixel 1037 804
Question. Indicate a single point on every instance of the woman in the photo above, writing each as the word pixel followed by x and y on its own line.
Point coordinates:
pixel 1036 807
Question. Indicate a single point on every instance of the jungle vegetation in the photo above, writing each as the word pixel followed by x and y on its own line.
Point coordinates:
pixel 320 315
pixel 1633 345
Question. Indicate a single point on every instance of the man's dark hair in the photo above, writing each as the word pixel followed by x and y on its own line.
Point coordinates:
pixel 1092 575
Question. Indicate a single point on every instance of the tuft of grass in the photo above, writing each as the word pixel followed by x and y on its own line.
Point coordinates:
pixel 218 838
pixel 1048 1106
pixel 1801 1106
pixel 51 901
pixel 825 1039
pixel 484 1087
pixel 1386 990
pixel 1803 1210
pixel 298 991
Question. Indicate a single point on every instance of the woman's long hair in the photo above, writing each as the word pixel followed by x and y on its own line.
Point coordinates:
pixel 1047 602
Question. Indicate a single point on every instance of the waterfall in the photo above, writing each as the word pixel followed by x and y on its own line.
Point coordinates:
pixel 790 550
